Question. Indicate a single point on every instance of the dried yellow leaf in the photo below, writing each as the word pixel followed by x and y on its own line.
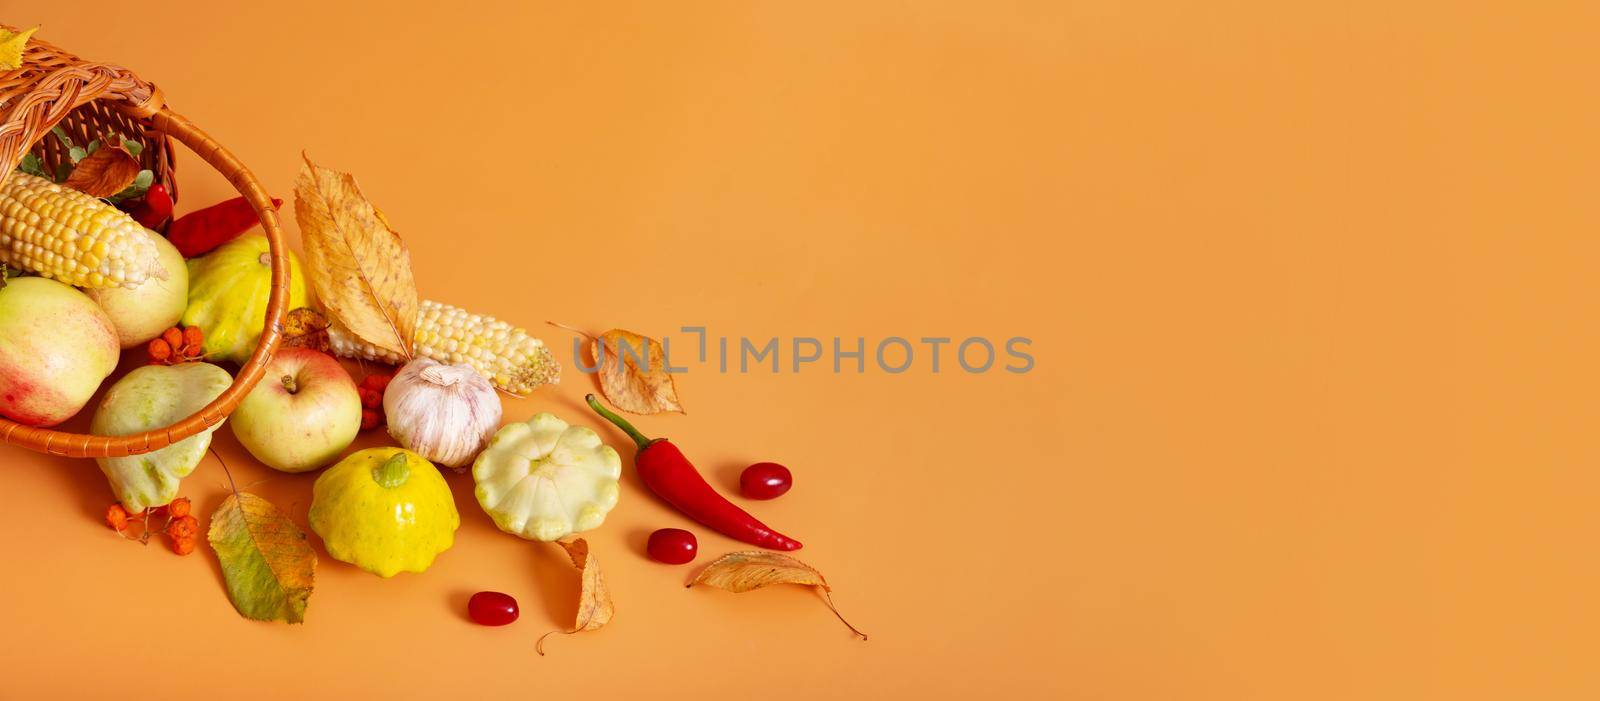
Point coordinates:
pixel 594 600
pixel 633 373
pixel 753 569
pixel 359 267
pixel 305 327
pixel 11 46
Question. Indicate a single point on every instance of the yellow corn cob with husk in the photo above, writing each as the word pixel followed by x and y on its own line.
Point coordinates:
pixel 505 355
pixel 64 234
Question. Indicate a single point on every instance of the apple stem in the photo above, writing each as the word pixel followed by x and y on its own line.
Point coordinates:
pixel 289 384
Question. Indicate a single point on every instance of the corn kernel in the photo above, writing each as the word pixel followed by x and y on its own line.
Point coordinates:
pixel 67 235
pixel 511 359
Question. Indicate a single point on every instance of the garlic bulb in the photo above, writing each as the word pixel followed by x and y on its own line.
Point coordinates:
pixel 446 413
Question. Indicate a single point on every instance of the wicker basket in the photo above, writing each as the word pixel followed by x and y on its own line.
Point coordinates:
pixel 88 99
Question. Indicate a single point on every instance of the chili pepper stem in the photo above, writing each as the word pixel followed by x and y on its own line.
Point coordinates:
pixel 638 438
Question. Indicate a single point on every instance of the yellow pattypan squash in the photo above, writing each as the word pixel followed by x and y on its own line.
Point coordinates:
pixel 545 480
pixel 385 510
pixel 228 291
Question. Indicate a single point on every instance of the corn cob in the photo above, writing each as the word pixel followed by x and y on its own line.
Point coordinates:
pixel 507 356
pixel 64 234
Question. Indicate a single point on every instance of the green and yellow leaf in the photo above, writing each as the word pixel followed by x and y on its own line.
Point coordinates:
pixel 268 565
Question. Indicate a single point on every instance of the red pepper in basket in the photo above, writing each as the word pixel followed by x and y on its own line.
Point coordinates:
pixel 669 474
pixel 155 208
pixel 196 233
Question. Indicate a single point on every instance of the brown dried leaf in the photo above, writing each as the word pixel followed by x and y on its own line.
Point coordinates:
pixel 753 569
pixel 594 600
pixel 358 266
pixel 305 327
pixel 106 172
pixel 640 390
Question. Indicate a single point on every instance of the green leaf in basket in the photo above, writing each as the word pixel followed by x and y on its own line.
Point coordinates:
pixel 77 153
pixel 31 165
pixel 267 564
pixel 133 147
pixel 136 189
pixel 61 135
pixel 93 146
pixel 63 171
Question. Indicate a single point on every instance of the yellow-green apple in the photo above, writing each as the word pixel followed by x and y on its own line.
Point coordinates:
pixel 152 397
pixel 56 347
pixel 303 413
pixel 143 312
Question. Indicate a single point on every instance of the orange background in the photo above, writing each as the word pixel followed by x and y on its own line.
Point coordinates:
pixel 1311 294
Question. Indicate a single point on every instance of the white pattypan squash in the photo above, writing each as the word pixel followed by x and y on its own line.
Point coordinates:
pixel 148 398
pixel 545 480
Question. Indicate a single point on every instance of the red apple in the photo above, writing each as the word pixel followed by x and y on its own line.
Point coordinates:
pixel 303 413
pixel 56 347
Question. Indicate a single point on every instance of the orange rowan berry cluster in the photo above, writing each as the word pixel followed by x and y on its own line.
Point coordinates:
pixel 371 391
pixel 181 527
pixel 176 346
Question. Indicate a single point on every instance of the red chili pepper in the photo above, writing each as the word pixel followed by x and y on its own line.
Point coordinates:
pixel 669 474
pixel 196 233
pixel 155 208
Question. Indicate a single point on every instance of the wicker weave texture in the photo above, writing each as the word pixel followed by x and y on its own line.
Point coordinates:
pixel 89 99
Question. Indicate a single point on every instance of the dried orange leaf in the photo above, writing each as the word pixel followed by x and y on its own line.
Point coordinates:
pixel 106 172
pixel 633 373
pixel 305 327
pixel 359 267
pixel 594 600
pixel 753 569
pixel 11 46
pixel 266 562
